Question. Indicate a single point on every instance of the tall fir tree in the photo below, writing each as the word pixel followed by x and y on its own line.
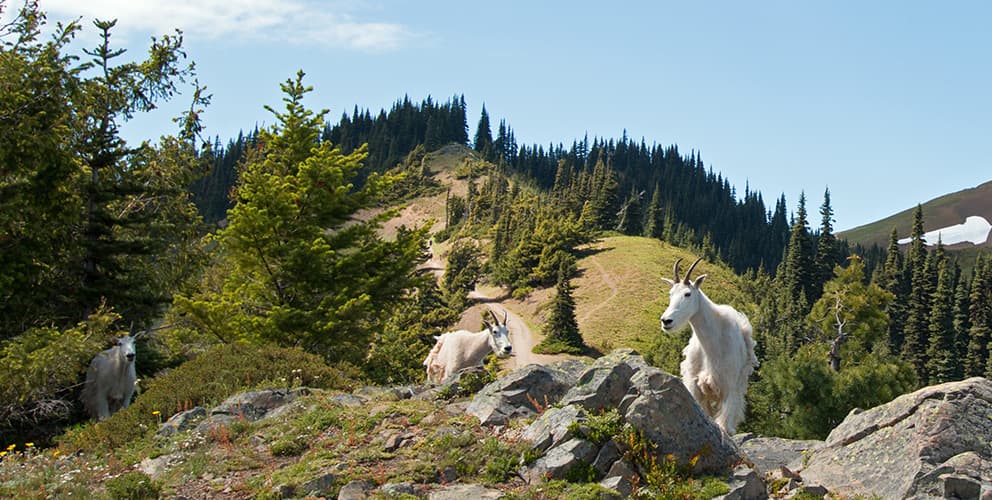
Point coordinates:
pixel 827 253
pixel 798 266
pixel 629 220
pixel 655 220
pixel 561 330
pixel 941 354
pixel 917 328
pixel 979 318
pixel 893 281
pixel 483 142
pixel 961 322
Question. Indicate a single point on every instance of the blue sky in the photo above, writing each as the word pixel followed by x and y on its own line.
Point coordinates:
pixel 886 103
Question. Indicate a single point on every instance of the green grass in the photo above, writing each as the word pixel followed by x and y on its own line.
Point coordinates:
pixel 620 295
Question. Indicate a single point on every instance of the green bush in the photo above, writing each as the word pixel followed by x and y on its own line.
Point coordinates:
pixel 205 380
pixel 132 485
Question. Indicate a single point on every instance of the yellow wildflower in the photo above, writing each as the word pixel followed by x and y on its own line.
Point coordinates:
pixel 156 412
pixel 11 447
pixel 29 444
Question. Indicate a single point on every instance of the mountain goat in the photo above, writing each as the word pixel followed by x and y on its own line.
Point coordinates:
pixel 110 379
pixel 461 349
pixel 720 355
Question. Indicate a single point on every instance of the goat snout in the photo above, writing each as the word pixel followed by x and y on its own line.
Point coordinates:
pixel 507 349
pixel 130 356
pixel 666 322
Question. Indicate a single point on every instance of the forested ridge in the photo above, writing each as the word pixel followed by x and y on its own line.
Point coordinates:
pixel 101 237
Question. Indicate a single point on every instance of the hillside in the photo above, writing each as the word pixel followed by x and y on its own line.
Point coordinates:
pixel 943 212
pixel 620 295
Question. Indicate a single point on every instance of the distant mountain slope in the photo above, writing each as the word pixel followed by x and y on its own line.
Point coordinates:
pixel 940 214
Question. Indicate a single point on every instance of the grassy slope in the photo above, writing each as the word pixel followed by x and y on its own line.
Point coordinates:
pixel 620 295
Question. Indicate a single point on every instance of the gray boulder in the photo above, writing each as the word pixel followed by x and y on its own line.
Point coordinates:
pixel 464 491
pixel 745 484
pixel 552 427
pixel 929 443
pixel 604 384
pixel 560 460
pixel 671 419
pixel 771 453
pixel 519 394
pixel 355 490
pixel 318 486
pixel 254 405
pixel 181 421
pixel 397 489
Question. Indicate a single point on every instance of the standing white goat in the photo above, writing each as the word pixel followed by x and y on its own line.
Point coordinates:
pixel 720 355
pixel 110 379
pixel 461 349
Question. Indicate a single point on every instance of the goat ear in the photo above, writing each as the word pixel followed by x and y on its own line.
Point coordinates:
pixel 698 281
pixel 670 282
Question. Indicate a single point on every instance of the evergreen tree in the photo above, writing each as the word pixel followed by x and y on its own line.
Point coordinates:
pixel 827 254
pixel 39 195
pixel 917 326
pixel 462 272
pixel 962 322
pixel 297 268
pixel 893 281
pixel 561 330
pixel 941 353
pixel 483 142
pixel 798 267
pixel 799 395
pixel 655 216
pixel 630 215
pixel 979 318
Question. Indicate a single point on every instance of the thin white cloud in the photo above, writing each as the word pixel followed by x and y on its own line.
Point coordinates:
pixel 300 22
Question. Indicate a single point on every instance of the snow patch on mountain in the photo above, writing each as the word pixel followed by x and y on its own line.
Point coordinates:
pixel 975 230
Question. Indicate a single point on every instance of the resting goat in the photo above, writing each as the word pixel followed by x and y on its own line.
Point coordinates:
pixel 462 349
pixel 110 380
pixel 720 355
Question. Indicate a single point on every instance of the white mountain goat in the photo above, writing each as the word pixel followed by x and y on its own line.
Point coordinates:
pixel 720 355
pixel 110 379
pixel 461 349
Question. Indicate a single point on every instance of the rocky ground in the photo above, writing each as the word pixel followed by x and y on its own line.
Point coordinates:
pixel 596 430
pixel 615 427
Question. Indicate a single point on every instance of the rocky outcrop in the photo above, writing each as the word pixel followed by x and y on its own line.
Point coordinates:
pixel 935 442
pixel 522 393
pixel 250 406
pixel 652 403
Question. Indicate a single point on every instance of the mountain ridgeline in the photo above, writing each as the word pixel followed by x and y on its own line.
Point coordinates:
pixel 642 189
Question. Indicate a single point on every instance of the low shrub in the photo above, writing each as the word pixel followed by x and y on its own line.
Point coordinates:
pixel 134 485
pixel 206 380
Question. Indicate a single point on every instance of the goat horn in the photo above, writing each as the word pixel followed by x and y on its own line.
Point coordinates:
pixel 677 279
pixel 495 319
pixel 689 272
pixel 506 316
